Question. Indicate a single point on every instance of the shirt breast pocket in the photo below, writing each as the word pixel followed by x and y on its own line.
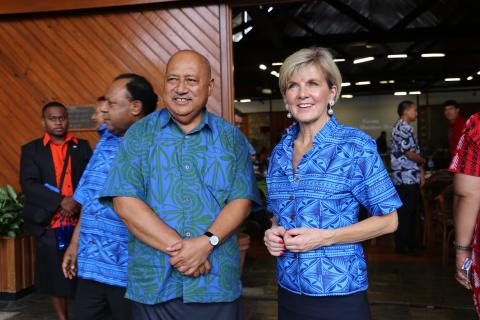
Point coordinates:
pixel 216 196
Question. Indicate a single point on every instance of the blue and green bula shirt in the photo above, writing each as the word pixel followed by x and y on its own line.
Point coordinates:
pixel 187 179
pixel 103 241
pixel 339 173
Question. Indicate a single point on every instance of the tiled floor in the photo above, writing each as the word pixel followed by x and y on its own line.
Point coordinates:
pixel 403 288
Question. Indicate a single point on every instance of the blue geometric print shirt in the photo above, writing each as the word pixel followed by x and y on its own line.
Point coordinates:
pixel 339 173
pixel 186 179
pixel 103 242
pixel 404 170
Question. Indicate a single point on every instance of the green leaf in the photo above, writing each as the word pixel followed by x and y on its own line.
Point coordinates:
pixel 11 192
pixel 11 234
pixel 3 194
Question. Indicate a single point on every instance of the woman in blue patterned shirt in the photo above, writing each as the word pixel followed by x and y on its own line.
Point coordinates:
pixel 319 175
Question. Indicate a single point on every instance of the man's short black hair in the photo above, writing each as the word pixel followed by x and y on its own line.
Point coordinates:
pixel 238 113
pixel 101 98
pixel 140 89
pixel 451 103
pixel 403 106
pixel 53 104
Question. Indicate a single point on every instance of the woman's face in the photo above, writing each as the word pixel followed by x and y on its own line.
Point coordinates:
pixel 308 94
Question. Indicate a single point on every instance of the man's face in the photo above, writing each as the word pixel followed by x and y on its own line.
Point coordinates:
pixel 117 111
pixel 188 85
pixel 451 113
pixel 97 116
pixel 55 121
pixel 411 112
pixel 238 121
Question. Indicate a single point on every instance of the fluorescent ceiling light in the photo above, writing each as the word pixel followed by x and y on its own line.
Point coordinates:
pixel 478 72
pixel 452 79
pixel 275 73
pixel 235 100
pixel 245 100
pixel 415 92
pixel 362 83
pixel 397 56
pixel 339 60
pixel 347 96
pixel 346 84
pixel 277 64
pixel 432 55
pixel 361 60
pixel 262 67
pixel 469 78
pixel 269 9
pixel 391 81
pixel 248 29
pixel 267 91
pixel 237 37
pixel 383 81
pixel 400 93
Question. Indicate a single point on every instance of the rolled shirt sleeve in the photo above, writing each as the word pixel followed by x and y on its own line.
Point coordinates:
pixel 126 175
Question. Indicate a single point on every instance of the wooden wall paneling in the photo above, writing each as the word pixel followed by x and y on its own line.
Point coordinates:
pixel 200 22
pixel 14 98
pixel 225 28
pixel 145 55
pixel 73 56
pixel 66 60
pixel 101 49
pixel 147 37
pixel 30 44
pixel 79 56
pixel 29 6
pixel 155 36
pixel 138 62
pixel 210 16
pixel 49 57
pixel 20 63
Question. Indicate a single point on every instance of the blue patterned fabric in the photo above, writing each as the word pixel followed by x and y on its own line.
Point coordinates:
pixel 103 242
pixel 339 173
pixel 187 179
pixel 404 170
pixel 102 130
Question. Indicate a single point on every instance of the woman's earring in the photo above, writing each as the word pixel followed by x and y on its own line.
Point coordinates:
pixel 289 115
pixel 330 108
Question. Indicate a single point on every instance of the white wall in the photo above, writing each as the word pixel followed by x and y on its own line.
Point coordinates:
pixel 371 114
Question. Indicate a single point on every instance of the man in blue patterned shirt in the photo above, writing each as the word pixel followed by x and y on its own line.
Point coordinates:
pixel 407 175
pixel 101 238
pixel 183 183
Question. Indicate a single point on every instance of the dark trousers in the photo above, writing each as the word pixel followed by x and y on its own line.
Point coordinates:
pixel 405 236
pixel 49 278
pixel 292 306
pixel 98 301
pixel 176 309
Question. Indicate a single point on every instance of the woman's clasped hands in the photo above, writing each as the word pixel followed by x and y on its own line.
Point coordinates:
pixel 278 239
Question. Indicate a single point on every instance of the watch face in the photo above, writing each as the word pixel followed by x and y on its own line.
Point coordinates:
pixel 214 240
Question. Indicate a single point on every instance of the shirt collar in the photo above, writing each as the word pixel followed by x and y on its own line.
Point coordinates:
pixel 166 117
pixel 47 138
pixel 102 129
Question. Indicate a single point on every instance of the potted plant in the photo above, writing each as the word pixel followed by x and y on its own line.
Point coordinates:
pixel 16 249
pixel 11 206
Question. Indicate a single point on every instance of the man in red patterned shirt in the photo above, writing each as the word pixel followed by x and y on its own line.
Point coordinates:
pixel 466 166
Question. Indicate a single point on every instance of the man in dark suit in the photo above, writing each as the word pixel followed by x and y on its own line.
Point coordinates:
pixel 50 168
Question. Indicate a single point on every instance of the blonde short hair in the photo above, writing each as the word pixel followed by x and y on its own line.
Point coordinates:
pixel 319 57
